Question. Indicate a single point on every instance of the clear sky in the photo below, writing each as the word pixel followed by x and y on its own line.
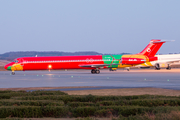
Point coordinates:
pixel 105 26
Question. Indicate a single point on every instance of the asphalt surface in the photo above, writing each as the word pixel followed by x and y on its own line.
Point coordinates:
pixel 169 79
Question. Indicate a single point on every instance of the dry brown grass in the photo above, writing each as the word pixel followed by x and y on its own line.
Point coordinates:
pixel 2 68
pixel 127 92
pixel 105 92
pixel 173 115
pixel 41 88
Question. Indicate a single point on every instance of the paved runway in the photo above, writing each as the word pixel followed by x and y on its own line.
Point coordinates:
pixel 106 79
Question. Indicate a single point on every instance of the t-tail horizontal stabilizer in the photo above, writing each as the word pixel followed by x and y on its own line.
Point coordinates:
pixel 153 47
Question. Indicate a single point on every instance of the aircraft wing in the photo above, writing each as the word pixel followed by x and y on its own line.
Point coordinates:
pixel 97 65
pixel 174 62
pixel 171 61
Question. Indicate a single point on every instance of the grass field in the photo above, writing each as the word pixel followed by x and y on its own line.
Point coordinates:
pixel 57 104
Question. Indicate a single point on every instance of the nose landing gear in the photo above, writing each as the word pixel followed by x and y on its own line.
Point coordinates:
pixel 93 71
pixel 13 73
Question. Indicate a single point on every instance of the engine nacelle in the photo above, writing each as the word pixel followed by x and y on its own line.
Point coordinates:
pixel 132 61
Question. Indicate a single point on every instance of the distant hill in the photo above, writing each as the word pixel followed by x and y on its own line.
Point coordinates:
pixel 3 63
pixel 13 55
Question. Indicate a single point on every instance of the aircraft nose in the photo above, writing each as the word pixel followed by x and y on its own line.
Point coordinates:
pixel 7 67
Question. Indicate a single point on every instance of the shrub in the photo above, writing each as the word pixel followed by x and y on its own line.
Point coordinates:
pixel 83 111
pixel 30 103
pixel 4 96
pixel 33 112
pixel 80 104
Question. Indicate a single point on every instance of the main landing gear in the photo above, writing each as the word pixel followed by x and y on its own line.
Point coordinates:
pixel 169 67
pixel 157 67
pixel 95 71
pixel 127 68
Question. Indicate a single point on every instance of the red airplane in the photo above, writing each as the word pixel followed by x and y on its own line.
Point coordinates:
pixel 93 62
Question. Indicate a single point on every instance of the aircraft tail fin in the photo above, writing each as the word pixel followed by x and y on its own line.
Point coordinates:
pixel 152 48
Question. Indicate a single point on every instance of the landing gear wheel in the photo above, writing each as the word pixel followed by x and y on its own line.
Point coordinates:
pixel 93 71
pixel 13 73
pixel 97 71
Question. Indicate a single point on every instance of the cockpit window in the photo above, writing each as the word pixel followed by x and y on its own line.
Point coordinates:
pixel 16 61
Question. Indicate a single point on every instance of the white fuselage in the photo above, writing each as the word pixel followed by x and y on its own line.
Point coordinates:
pixel 163 61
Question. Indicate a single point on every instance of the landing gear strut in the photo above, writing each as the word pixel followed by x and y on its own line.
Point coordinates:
pixel 93 71
pixel 127 68
pixel 168 68
pixel 157 67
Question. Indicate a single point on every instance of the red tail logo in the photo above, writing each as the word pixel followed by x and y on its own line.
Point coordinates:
pixel 152 48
